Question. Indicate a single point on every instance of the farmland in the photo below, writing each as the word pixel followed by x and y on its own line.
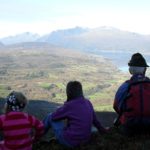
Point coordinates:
pixel 42 74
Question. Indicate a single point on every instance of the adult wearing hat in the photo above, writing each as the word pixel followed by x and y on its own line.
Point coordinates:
pixel 128 96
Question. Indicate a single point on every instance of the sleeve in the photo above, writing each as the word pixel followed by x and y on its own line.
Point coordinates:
pixel 38 126
pixel 47 123
pixel 120 96
pixel 61 113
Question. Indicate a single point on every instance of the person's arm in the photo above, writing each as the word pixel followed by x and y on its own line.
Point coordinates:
pixel 61 113
pixel 38 126
pixel 120 96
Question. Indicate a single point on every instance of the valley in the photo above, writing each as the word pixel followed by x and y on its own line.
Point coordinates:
pixel 42 73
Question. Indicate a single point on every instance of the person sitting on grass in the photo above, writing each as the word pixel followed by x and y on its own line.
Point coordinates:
pixel 79 115
pixel 17 126
pixel 132 99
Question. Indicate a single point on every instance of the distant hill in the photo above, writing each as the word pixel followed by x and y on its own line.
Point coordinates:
pixel 89 40
pixel 24 37
pixel 57 37
pixel 103 38
pixel 1 44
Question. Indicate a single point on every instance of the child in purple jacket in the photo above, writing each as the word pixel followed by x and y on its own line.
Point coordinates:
pixel 80 117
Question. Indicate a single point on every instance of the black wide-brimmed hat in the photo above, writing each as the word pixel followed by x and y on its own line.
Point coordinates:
pixel 138 60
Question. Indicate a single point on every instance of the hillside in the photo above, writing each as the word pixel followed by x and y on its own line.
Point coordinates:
pixel 42 72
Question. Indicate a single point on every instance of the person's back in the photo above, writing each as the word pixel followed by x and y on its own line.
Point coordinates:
pixel 17 126
pixel 79 115
pixel 132 98
pixel 80 119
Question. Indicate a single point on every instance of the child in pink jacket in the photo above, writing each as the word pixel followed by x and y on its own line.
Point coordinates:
pixel 17 126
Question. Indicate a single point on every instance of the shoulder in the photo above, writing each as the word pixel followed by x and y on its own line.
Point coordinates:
pixel 88 102
pixel 122 89
pixel 124 85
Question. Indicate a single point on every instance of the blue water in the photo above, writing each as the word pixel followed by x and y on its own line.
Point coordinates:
pixel 124 68
pixel 119 58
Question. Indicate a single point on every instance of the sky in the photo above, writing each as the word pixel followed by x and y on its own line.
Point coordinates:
pixel 45 16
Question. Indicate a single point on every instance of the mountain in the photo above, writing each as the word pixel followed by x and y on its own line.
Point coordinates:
pixel 88 40
pixel 103 38
pixel 24 37
pixel 60 37
pixel 1 44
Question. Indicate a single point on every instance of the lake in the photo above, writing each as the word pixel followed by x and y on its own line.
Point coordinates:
pixel 119 58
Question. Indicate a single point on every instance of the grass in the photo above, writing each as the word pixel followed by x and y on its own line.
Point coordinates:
pixel 34 74
pixel 100 95
pixel 110 141
pixel 61 85
pixel 44 85
pixel 106 108
pixel 88 86
pixel 4 90
pixel 52 76
pixel 59 97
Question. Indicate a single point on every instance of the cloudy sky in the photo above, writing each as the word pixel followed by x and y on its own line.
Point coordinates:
pixel 44 16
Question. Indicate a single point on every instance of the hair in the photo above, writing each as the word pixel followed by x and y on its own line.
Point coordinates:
pixel 137 70
pixel 21 100
pixel 74 90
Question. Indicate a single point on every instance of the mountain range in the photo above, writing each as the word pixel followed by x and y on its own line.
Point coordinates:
pixel 86 39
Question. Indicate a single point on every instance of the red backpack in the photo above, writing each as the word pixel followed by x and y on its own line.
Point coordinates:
pixel 136 103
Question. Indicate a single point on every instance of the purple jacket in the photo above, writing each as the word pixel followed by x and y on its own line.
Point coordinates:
pixel 80 117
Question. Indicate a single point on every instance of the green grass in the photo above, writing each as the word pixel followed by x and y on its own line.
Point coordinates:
pixel 86 68
pixel 88 85
pixel 112 81
pixel 4 93
pixel 100 95
pixel 61 85
pixel 52 76
pixel 59 97
pixel 44 85
pixel 4 90
pixel 106 108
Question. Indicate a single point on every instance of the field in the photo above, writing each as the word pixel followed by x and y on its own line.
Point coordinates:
pixel 42 74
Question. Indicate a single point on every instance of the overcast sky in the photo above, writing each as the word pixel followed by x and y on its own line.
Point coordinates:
pixel 44 16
